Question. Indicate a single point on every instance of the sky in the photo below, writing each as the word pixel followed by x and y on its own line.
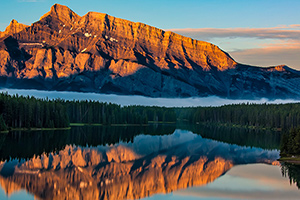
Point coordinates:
pixel 256 32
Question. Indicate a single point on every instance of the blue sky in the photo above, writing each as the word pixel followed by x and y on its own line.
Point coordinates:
pixel 242 22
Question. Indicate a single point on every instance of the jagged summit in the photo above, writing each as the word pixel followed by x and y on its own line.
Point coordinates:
pixel 279 68
pixel 63 13
pixel 102 53
pixel 13 27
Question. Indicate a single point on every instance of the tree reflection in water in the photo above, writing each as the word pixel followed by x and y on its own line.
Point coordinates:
pixel 292 171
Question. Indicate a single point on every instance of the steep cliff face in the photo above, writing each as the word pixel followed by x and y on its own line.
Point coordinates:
pixel 101 53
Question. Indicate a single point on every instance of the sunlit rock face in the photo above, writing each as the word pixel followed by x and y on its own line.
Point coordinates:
pixel 14 27
pixel 101 53
pixel 148 165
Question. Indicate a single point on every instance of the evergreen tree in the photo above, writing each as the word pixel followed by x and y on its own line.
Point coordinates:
pixel 3 126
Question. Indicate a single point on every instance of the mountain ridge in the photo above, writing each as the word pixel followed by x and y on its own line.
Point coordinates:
pixel 104 54
pixel 13 27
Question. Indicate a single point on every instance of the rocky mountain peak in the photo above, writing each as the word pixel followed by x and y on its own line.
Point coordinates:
pixel 13 22
pixel 13 27
pixel 102 53
pixel 63 13
pixel 281 68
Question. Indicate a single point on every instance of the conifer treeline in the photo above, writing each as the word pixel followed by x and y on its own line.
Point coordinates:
pixel 284 116
pixel 26 112
pixel 290 142
pixel 18 111
pixel 94 112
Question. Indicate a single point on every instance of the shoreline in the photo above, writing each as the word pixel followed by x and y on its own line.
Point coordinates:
pixel 78 125
pixel 290 159
pixel 230 125
pixel 35 129
pixel 149 123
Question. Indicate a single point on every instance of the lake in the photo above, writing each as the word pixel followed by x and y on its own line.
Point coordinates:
pixel 153 162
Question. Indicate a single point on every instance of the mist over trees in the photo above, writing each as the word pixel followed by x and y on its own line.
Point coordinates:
pixel 27 112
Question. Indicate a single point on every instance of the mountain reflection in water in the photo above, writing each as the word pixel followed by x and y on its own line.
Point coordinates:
pixel 32 143
pixel 128 170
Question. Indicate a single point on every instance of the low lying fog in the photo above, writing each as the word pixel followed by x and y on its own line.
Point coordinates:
pixel 140 100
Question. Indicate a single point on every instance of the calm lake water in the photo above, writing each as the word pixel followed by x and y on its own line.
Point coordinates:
pixel 151 162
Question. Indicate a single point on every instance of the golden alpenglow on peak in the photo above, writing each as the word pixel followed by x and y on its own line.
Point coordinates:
pixel 13 27
pixel 63 13
pixel 127 58
pixel 279 68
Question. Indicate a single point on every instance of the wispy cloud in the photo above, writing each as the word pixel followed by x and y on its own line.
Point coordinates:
pixel 269 56
pixel 254 46
pixel 284 51
pixel 280 32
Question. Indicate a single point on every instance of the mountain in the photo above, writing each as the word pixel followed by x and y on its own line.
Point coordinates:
pixel 14 27
pixel 103 54
pixel 144 167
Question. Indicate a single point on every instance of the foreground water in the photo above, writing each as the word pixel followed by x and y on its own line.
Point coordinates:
pixel 253 181
pixel 162 162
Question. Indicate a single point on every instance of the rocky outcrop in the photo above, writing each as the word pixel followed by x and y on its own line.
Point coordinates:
pixel 14 27
pixel 148 165
pixel 101 53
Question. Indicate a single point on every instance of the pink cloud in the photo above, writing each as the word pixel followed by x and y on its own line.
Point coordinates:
pixel 280 32
pixel 255 46
pixel 269 56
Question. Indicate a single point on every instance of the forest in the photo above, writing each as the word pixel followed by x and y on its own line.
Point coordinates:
pixel 27 112
pixel 30 112
pixel 271 116
pixel 94 112
pixel 18 112
pixel 290 142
